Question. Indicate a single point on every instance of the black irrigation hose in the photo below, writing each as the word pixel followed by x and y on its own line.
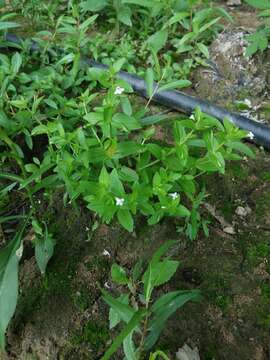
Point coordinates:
pixel 179 101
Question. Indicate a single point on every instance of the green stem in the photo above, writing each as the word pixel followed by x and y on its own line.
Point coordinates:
pixel 157 160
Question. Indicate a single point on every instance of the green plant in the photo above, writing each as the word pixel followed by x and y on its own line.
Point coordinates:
pixel 74 129
pixel 9 262
pixel 157 354
pixel 260 39
pixel 144 316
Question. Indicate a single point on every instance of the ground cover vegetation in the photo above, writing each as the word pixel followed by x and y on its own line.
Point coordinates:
pixel 79 131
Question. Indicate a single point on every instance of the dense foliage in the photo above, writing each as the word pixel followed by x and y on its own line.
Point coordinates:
pixel 77 130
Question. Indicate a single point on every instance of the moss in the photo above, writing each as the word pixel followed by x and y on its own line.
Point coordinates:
pixel 257 252
pixel 263 314
pixel 211 352
pixel 96 334
pixel 260 314
pixel 263 204
pixel 217 290
pixel 265 175
pixel 238 171
pixel 265 288
pixel 98 262
pixel 81 299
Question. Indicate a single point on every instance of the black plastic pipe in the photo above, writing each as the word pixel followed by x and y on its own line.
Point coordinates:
pixel 258 132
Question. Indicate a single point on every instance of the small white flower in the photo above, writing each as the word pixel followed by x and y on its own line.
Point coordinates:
pixel 174 195
pixel 87 228
pixel 39 201
pixel 19 251
pixel 250 135
pixel 192 117
pixel 106 285
pixel 119 90
pixel 106 253
pixel 248 103
pixel 163 207
pixel 119 201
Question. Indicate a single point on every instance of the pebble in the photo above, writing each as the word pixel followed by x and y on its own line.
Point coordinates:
pixel 229 230
pixel 234 2
pixel 242 211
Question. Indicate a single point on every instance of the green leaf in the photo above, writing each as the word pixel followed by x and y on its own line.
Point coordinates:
pixel 51 103
pixel 119 275
pixel 114 317
pixel 117 66
pixel 124 15
pixel 132 324
pixel 129 348
pixel 162 250
pixel 93 5
pixel 5 122
pixel 203 49
pixel 84 26
pixel 259 4
pixel 36 175
pixel 157 41
pixel 16 62
pixel 9 261
pixel 149 80
pixel 162 272
pixel 116 185
pixel 163 309
pixel 244 149
pixel 178 84
pixel 125 219
pixel 127 148
pixel 126 106
pixel 153 119
pixel 4 219
pixel 44 248
pixel 124 311
pixel 104 177
pixel 81 138
pixel 4 25
pixel 182 211
pixel 127 174
pixel 126 122
pixel 143 3
pixel 157 354
pixel 177 18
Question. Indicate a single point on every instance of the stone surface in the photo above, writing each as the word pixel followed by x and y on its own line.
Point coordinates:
pixel 231 76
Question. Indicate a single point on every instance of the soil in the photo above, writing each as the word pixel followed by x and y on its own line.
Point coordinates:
pixel 61 315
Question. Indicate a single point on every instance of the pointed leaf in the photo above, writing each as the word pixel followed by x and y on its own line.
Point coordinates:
pixel 44 248
pixel 132 324
pixel 125 219
pixel 118 274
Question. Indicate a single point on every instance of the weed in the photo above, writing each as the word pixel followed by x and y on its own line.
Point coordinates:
pixel 70 128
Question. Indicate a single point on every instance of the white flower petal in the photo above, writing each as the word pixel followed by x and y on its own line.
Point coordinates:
pixel 119 201
pixel 119 90
pixel 19 251
pixel 250 135
pixel 106 253
pixel 174 195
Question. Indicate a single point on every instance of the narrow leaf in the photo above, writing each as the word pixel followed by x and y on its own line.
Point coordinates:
pixel 132 324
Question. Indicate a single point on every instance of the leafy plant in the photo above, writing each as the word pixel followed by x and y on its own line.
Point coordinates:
pixel 9 263
pixel 260 39
pixel 67 127
pixel 143 316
